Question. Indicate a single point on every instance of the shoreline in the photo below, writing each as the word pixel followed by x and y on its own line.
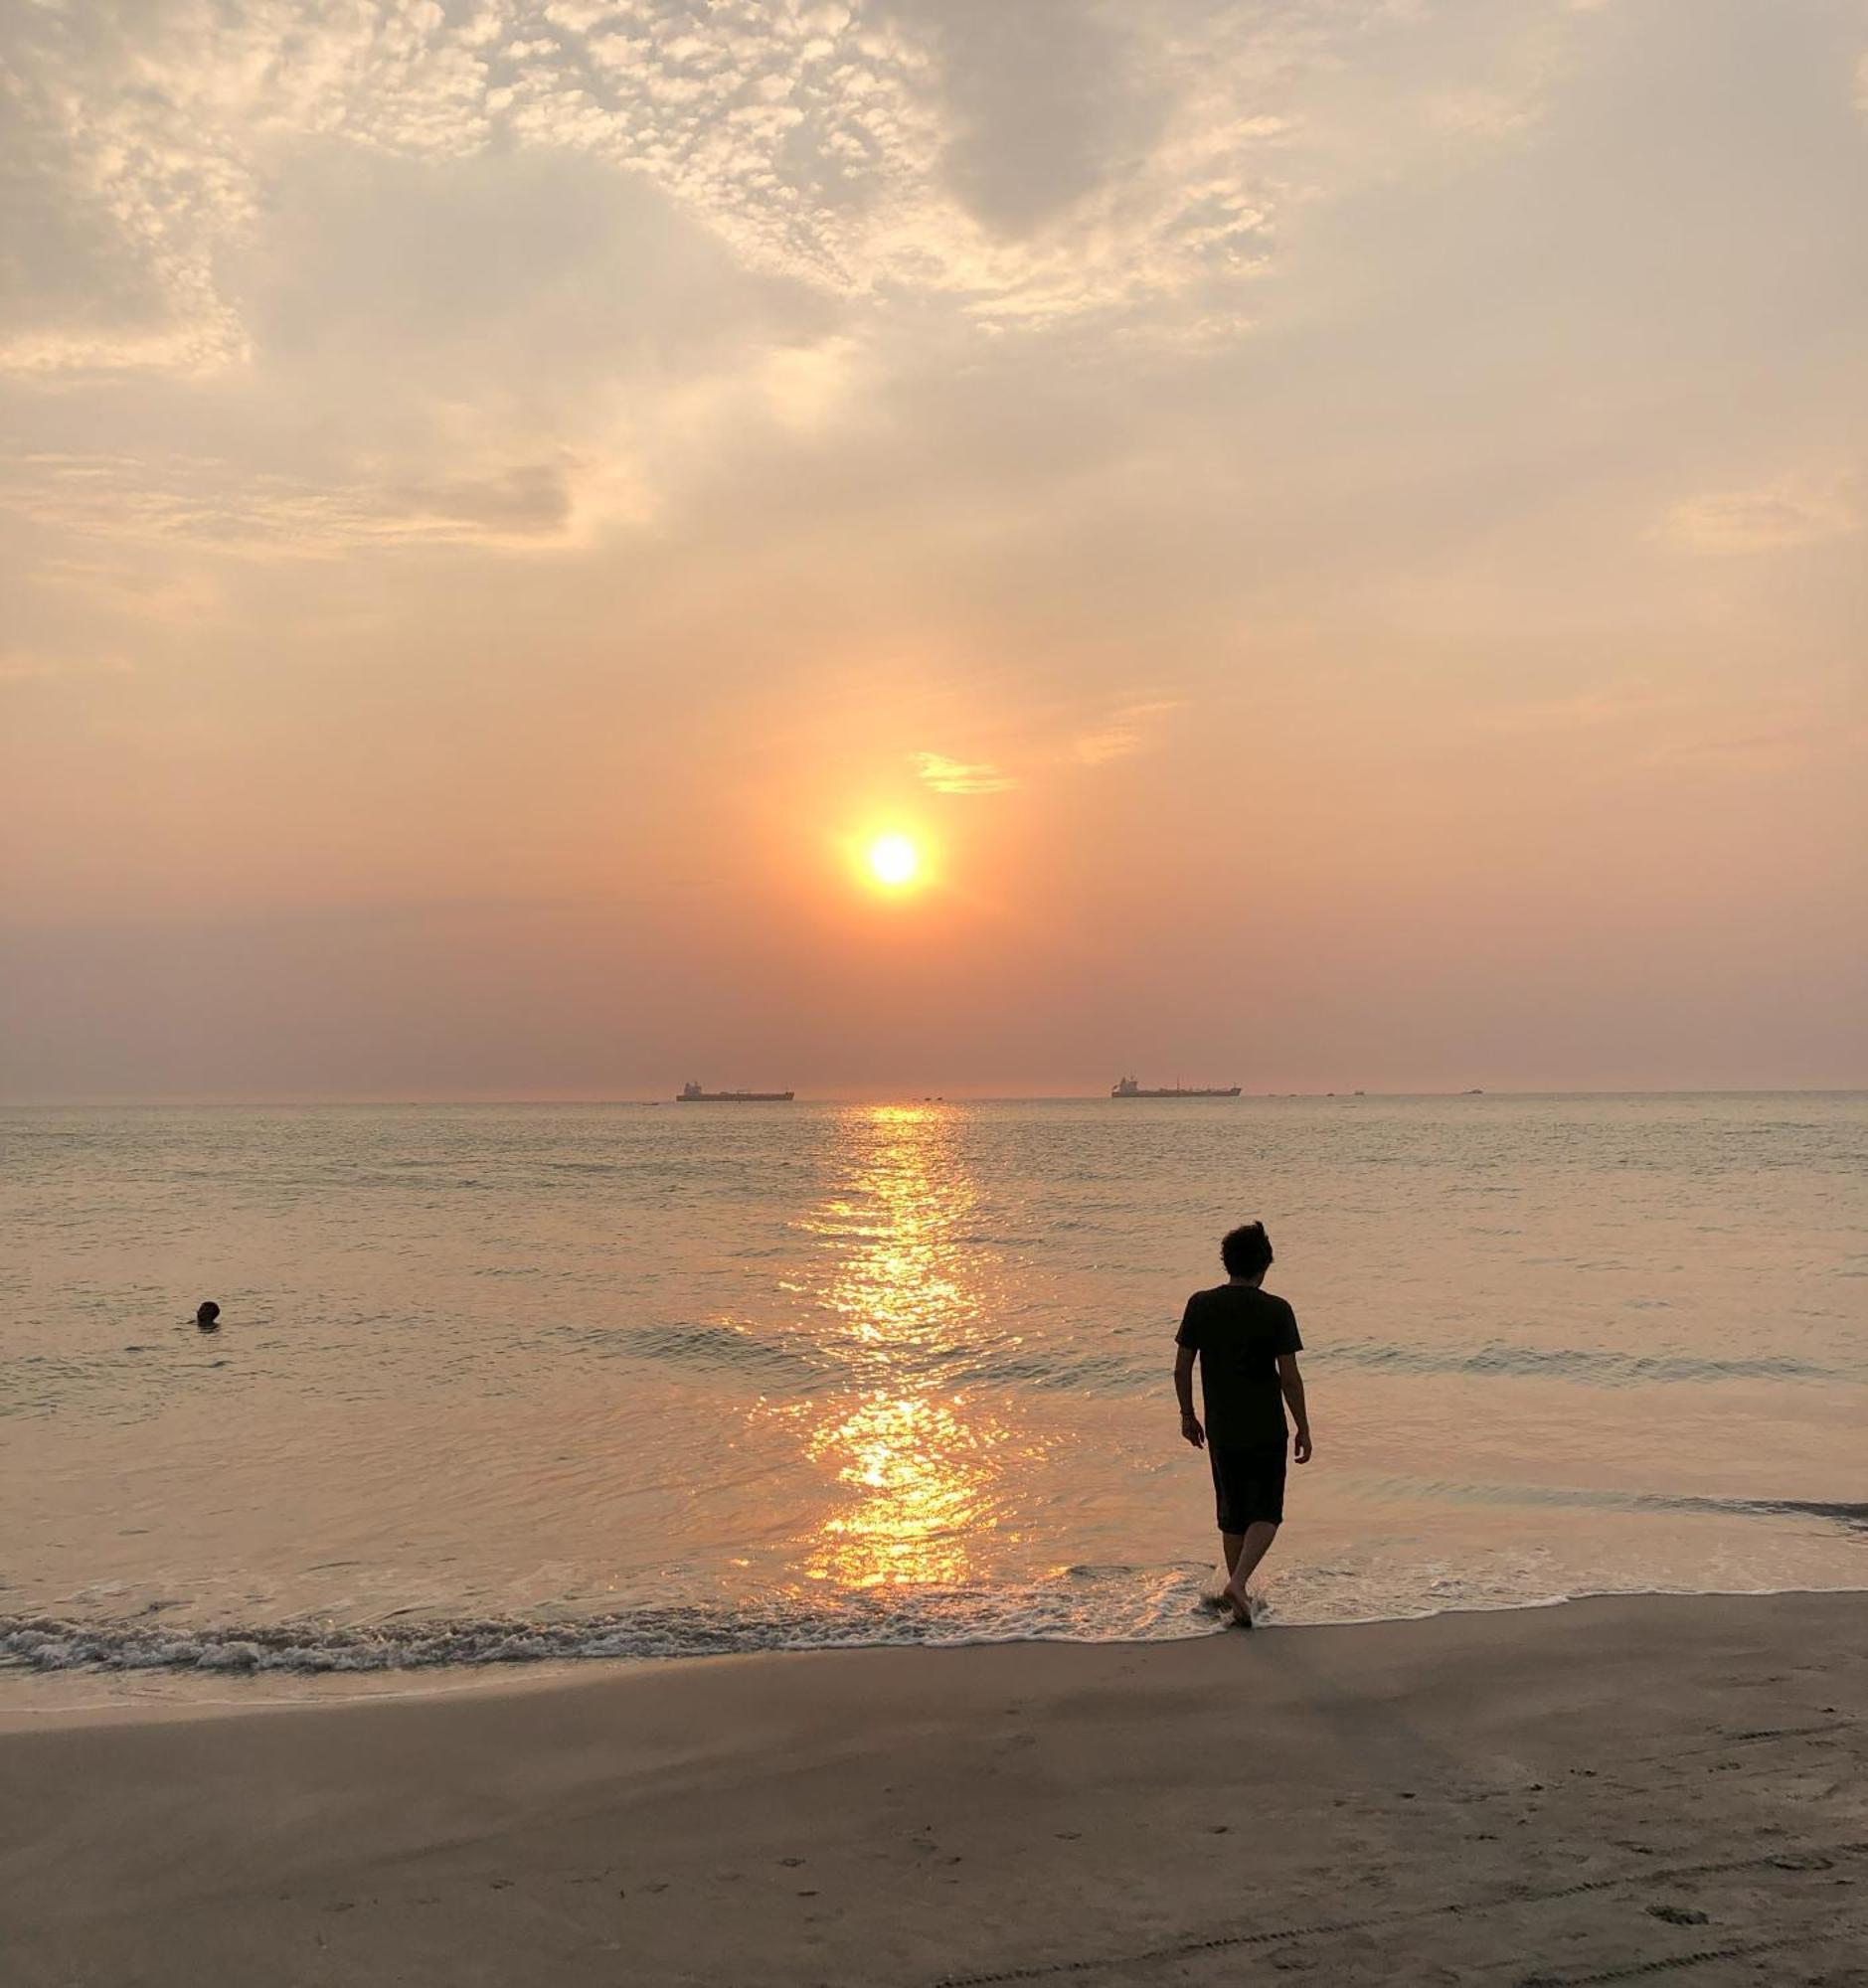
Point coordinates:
pixel 179 1690
pixel 1573 1792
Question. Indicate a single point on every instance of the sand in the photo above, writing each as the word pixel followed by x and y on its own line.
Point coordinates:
pixel 1599 1793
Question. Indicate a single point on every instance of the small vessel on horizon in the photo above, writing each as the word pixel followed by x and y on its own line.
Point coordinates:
pixel 692 1094
pixel 1127 1087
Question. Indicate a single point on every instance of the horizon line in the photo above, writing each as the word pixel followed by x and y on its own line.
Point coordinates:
pixel 224 1101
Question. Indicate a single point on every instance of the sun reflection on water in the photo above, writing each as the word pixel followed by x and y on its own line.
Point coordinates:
pixel 911 1465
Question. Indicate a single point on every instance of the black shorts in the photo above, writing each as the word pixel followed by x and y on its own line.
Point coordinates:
pixel 1249 1485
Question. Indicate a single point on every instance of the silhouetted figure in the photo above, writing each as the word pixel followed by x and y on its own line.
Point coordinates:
pixel 1247 1344
pixel 208 1316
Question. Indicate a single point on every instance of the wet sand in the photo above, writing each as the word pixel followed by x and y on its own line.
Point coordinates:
pixel 1599 1793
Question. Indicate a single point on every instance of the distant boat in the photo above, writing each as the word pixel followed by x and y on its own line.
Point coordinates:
pixel 1127 1087
pixel 692 1094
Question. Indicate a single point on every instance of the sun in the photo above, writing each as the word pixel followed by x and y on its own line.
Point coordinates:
pixel 893 861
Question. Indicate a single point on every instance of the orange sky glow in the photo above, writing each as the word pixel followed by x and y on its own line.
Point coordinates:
pixel 1338 533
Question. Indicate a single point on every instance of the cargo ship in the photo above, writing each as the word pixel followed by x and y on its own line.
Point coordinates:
pixel 1127 1087
pixel 692 1094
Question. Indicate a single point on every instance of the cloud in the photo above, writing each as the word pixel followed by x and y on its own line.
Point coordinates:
pixel 191 500
pixel 1743 724
pixel 1792 510
pixel 1044 104
pixel 1023 165
pixel 1603 707
pixel 140 151
pixel 20 666
pixel 499 353
pixel 955 776
pixel 1128 730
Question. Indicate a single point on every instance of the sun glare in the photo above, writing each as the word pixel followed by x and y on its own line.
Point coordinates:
pixel 893 861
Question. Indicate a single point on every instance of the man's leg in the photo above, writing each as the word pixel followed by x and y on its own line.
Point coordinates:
pixel 1254 1543
pixel 1234 1544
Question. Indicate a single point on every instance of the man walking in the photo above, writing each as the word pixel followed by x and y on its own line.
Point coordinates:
pixel 1248 1345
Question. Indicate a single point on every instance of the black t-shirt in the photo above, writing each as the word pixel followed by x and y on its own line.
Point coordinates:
pixel 1239 1331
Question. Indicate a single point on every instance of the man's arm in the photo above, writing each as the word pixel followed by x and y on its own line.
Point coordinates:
pixel 1183 1387
pixel 1292 1384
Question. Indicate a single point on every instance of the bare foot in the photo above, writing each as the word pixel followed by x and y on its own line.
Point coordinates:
pixel 1240 1607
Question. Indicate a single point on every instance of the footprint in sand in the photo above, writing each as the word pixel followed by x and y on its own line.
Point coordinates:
pixel 1678 1915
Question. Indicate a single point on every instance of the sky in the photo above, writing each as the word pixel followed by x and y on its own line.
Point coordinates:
pixel 1339 528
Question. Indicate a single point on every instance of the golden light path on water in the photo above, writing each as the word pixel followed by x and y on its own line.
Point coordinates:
pixel 913 1464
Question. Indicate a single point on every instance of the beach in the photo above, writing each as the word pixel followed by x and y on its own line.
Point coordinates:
pixel 930 993
pixel 1591 1792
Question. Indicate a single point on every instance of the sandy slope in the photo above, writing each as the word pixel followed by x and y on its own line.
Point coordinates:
pixel 1550 1796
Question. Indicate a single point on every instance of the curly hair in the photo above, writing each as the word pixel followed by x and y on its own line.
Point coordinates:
pixel 1247 1251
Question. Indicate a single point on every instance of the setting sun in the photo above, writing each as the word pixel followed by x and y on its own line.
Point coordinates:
pixel 893 861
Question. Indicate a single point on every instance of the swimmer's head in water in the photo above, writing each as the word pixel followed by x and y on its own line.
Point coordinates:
pixel 208 1316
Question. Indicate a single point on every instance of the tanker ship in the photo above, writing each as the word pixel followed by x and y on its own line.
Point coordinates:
pixel 692 1094
pixel 1127 1087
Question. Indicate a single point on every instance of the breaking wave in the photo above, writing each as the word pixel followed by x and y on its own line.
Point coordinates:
pixel 1086 1604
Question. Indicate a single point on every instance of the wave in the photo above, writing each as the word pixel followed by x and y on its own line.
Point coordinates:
pixel 1091 1603
pixel 719 1346
pixel 1087 1373
pixel 1814 1508
pixel 1009 1361
pixel 1839 1512
pixel 1854 1517
pixel 1596 1367
pixel 796 1359
pixel 1087 1605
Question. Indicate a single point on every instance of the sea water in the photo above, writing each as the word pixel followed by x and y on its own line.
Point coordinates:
pixel 498 1383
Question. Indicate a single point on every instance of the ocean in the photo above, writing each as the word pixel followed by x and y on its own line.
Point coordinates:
pixel 514 1382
